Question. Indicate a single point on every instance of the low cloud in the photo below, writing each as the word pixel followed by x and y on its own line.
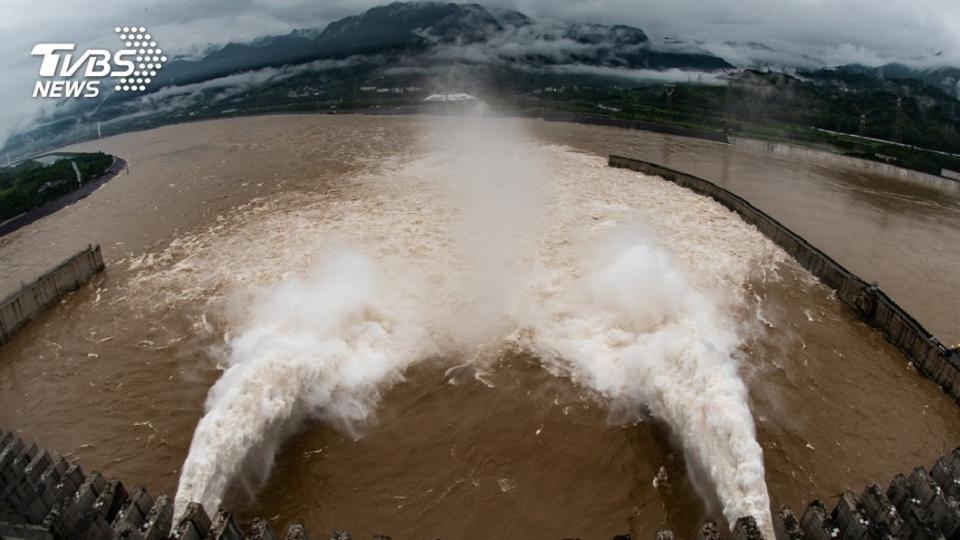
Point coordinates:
pixel 803 33
pixel 644 75
pixel 545 42
pixel 178 98
pixel 802 30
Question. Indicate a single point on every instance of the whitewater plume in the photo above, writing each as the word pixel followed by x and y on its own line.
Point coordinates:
pixel 455 218
pixel 634 329
pixel 480 235
pixel 325 344
pixel 491 175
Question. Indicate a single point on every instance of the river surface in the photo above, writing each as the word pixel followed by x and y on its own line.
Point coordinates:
pixel 502 402
pixel 899 234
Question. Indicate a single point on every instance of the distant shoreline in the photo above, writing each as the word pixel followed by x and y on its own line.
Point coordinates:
pixel 62 201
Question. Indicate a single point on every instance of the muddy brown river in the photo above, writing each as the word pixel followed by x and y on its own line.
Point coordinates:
pixel 473 328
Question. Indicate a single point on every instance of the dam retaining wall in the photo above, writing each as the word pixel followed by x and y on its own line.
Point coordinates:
pixel 885 169
pixel 933 359
pixel 43 497
pixel 32 299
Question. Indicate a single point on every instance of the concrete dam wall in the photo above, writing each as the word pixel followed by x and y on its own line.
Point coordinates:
pixel 32 299
pixel 44 497
pixel 871 304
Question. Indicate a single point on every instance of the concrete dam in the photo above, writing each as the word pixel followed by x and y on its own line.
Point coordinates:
pixel 42 497
pixel 747 338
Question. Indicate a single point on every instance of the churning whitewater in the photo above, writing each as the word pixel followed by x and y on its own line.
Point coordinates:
pixel 482 239
pixel 323 344
pixel 634 329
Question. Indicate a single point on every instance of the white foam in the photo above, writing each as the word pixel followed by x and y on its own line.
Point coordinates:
pixel 325 344
pixel 630 285
pixel 634 329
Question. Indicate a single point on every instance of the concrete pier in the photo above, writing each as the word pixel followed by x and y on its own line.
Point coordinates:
pixel 44 497
pixel 931 358
pixel 34 298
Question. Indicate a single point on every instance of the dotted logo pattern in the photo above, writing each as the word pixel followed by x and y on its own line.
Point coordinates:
pixel 149 58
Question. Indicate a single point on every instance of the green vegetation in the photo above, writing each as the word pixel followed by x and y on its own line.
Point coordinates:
pixel 778 107
pixel 904 122
pixel 32 183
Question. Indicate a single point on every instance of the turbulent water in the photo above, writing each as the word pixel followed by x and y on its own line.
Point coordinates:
pixel 319 345
pixel 639 333
pixel 361 333
pixel 625 321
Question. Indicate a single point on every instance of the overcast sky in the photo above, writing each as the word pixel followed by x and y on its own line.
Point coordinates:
pixel 834 31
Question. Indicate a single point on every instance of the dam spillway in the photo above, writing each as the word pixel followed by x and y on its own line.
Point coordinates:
pixel 145 341
pixel 43 497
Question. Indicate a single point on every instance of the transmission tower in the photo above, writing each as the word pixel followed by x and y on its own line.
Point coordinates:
pixel 864 114
pixel 863 120
pixel 898 127
pixel 668 90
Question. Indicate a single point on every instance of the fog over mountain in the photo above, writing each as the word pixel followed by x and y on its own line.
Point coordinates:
pixel 222 38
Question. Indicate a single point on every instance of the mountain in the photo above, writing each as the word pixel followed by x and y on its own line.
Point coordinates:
pixel 391 28
pixel 419 28
pixel 944 78
pixel 392 58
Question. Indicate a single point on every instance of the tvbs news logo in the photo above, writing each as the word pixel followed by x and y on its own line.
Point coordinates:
pixel 65 73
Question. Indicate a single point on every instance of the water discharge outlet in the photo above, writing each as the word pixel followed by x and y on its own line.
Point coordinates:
pixel 507 261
